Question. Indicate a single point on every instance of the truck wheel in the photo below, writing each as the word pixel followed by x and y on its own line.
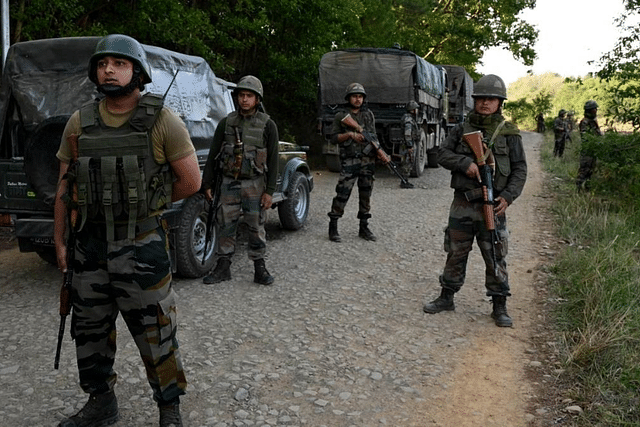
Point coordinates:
pixel 40 162
pixel 293 211
pixel 333 162
pixel 419 158
pixel 190 239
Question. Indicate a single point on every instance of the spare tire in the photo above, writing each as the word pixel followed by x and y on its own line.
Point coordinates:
pixel 40 162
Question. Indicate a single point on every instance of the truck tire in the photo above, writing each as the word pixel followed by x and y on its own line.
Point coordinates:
pixel 420 155
pixel 333 162
pixel 190 239
pixel 40 161
pixel 293 211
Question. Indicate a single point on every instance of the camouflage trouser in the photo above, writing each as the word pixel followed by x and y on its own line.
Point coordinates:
pixel 466 222
pixel 242 197
pixel 354 169
pixel 131 277
pixel 407 159
pixel 587 164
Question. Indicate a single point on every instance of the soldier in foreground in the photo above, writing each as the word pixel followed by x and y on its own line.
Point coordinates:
pixel 466 218
pixel 246 145
pixel 588 126
pixel 140 155
pixel 355 164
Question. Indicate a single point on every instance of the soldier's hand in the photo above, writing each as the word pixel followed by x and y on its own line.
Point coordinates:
pixel 500 206
pixel 208 194
pixel 473 172
pixel 266 201
pixel 61 255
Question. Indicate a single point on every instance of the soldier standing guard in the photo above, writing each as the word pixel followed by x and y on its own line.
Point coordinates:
pixel 560 131
pixel 247 141
pixel 588 126
pixel 139 156
pixel 355 164
pixel 411 139
pixel 466 220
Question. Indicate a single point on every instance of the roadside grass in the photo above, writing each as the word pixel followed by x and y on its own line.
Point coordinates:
pixel 596 278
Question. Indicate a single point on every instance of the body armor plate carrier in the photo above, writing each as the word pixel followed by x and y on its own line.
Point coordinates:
pixel 119 182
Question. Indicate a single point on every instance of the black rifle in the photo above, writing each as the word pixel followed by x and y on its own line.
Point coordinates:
pixel 212 217
pixel 67 277
pixel 374 144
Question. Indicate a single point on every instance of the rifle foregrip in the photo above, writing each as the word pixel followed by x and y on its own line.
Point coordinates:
pixel 489 220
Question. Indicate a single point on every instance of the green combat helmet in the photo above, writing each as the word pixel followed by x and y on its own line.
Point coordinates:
pixel 120 46
pixel 354 88
pixel 251 83
pixel 562 112
pixel 490 86
pixel 590 105
pixel 412 105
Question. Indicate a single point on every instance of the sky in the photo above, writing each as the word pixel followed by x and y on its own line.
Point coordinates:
pixel 571 33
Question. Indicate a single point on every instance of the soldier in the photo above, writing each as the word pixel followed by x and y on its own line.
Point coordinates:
pixel 356 165
pixel 140 155
pixel 247 141
pixel 411 139
pixel 466 220
pixel 588 126
pixel 560 130
pixel 540 121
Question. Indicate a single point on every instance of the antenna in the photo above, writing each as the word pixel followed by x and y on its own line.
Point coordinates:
pixel 170 84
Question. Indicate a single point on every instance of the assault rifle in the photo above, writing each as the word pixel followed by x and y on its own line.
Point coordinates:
pixel 374 144
pixel 484 158
pixel 212 217
pixel 67 276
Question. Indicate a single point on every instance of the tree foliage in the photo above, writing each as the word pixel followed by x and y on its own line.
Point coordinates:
pixel 282 41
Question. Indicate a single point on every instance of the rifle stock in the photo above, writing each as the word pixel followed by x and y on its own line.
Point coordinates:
pixel 373 142
pixel 213 206
pixel 67 277
pixel 484 160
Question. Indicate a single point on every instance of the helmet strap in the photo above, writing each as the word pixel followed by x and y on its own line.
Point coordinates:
pixel 116 91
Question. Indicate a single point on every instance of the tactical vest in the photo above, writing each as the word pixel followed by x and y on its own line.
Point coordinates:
pixel 254 151
pixel 500 150
pixel 119 181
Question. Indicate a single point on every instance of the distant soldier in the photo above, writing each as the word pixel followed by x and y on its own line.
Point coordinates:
pixel 540 120
pixel 411 140
pixel 560 130
pixel 356 165
pixel 588 126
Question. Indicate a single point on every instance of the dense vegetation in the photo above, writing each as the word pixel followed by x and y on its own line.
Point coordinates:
pixel 282 41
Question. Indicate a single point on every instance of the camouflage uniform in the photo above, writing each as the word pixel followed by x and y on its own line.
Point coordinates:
pixel 411 137
pixel 356 166
pixel 561 132
pixel 466 220
pixel 587 126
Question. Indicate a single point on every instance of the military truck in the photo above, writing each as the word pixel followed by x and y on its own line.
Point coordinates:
pixel 460 89
pixel 45 81
pixel 391 78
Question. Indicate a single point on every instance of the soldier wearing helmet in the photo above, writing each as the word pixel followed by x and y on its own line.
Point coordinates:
pixel 245 146
pixel 411 139
pixel 561 133
pixel 128 156
pixel 356 163
pixel 588 127
pixel 466 221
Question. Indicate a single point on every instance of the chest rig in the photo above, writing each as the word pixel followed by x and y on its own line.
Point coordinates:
pixel 119 182
pixel 250 131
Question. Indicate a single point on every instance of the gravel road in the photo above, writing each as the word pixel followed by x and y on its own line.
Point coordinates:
pixel 340 339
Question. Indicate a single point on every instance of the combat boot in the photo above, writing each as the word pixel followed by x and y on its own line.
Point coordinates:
pixel 170 415
pixel 221 273
pixel 499 313
pixel 261 274
pixel 100 411
pixel 443 303
pixel 365 233
pixel 333 230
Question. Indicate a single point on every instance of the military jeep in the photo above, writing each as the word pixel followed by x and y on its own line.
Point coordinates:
pixel 45 81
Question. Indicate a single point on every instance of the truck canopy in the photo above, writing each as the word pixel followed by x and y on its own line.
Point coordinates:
pixel 389 76
pixel 49 78
pixel 460 86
